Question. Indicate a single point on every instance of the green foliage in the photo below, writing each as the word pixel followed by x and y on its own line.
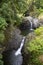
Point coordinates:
pixel 37 43
pixel 39 5
pixel 34 60
pixel 0 56
pixel 1 62
pixel 13 10
pixel 35 46
pixel 39 31
pixel 3 23
pixel 1 37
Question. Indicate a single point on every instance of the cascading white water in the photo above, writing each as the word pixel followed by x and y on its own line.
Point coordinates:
pixel 14 57
pixel 31 26
pixel 31 21
pixel 20 48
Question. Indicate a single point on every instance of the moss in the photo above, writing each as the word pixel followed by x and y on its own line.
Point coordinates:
pixel 39 31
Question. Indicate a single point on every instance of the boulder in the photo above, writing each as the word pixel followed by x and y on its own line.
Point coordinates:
pixel 28 24
pixel 36 23
pixel 25 23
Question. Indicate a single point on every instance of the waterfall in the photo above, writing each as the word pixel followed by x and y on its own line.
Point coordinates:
pixel 14 57
pixel 20 48
pixel 31 26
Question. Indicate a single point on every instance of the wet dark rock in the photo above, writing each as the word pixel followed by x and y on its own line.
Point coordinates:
pixel 26 23
pixel 10 59
pixel 29 24
pixel 12 39
pixel 13 42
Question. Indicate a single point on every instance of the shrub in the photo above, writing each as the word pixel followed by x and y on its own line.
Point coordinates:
pixel 39 31
pixel 3 23
pixel 35 46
